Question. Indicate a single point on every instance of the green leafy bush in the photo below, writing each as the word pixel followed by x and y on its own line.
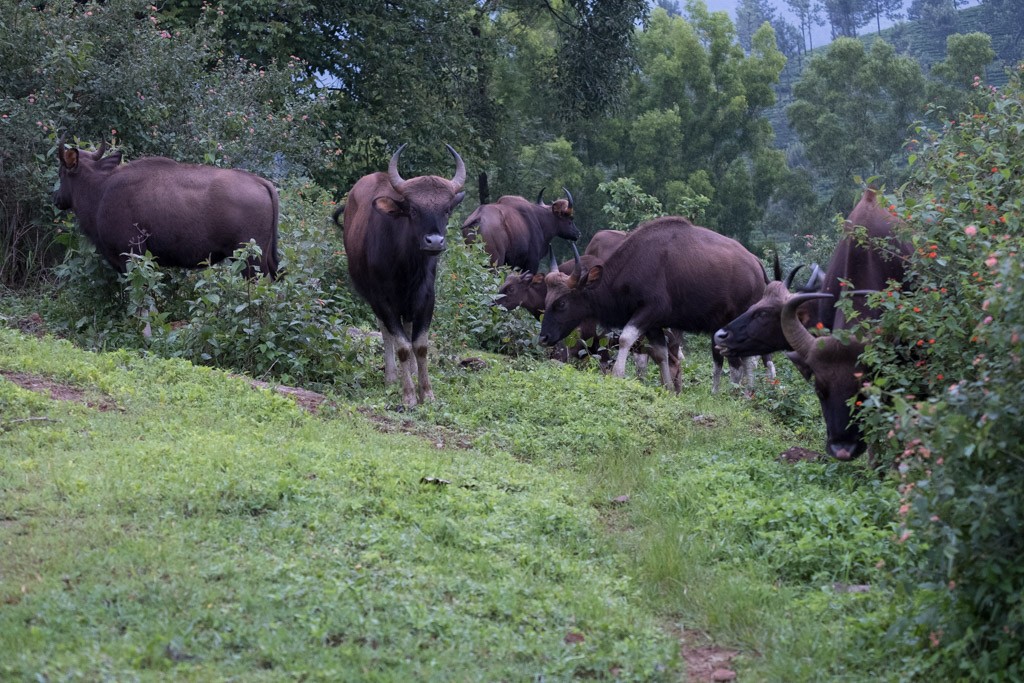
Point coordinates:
pixel 112 72
pixel 306 328
pixel 948 399
pixel 464 317
pixel 628 205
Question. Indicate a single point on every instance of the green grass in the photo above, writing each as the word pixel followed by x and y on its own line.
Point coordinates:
pixel 199 529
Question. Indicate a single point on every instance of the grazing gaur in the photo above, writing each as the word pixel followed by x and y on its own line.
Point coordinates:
pixel 527 290
pixel 834 368
pixel 185 215
pixel 867 262
pixel 394 232
pixel 517 233
pixel 667 274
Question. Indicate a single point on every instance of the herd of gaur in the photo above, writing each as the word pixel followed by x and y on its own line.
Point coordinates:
pixel 665 278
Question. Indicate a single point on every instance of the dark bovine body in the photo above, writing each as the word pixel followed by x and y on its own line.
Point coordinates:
pixel 517 232
pixel 183 214
pixel 668 273
pixel 385 261
pixel 863 263
pixel 393 238
pixel 604 242
pixel 780 318
pixel 528 290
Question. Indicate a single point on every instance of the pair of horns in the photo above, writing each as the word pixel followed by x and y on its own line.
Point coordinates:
pixel 540 196
pixel 398 182
pixel 61 147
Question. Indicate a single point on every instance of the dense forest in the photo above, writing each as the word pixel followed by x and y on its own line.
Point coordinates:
pixel 639 110
pixel 672 103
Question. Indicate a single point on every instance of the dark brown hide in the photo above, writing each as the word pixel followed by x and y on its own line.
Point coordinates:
pixel 667 274
pixel 394 230
pixel 527 289
pixel 834 369
pixel 604 242
pixel 183 214
pixel 780 318
pixel 867 264
pixel 517 233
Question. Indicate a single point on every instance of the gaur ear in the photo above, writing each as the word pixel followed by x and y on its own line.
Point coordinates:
pixel 458 199
pixel 390 207
pixel 562 209
pixel 109 162
pixel 70 159
pixel 591 277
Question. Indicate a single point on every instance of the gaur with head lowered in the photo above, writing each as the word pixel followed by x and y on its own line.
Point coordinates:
pixel 667 274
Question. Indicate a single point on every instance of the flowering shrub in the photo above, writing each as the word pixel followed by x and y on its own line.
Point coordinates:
pixel 947 403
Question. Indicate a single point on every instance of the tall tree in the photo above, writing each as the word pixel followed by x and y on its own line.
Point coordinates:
pixel 808 14
pixel 938 16
pixel 845 16
pixel 1007 13
pixel 955 81
pixel 595 52
pixel 750 14
pixel 694 126
pixel 788 38
pixel 876 9
pixel 853 107
pixel 670 6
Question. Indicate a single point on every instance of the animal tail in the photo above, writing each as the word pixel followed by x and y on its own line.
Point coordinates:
pixel 337 212
pixel 471 224
pixel 271 257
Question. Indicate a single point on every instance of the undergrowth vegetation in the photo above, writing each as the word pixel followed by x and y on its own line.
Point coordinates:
pixel 534 521
pixel 307 328
pixel 160 518
pixel 948 407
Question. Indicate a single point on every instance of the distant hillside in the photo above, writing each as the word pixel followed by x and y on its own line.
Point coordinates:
pixel 914 39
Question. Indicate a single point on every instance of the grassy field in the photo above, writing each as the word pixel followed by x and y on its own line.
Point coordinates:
pixel 160 521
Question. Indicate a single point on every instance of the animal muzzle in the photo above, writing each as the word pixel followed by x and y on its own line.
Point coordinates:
pixel 846 451
pixel 433 243
pixel 60 202
pixel 721 339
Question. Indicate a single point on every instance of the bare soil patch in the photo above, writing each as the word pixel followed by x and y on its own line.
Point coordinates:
pixel 60 391
pixel 797 454
pixel 705 662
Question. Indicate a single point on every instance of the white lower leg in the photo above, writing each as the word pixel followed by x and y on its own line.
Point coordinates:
pixel 626 340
